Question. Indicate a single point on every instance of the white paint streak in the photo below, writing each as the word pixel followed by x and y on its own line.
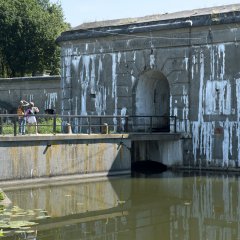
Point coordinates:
pixel 67 64
pixel 215 96
pixel 51 99
pixel 200 98
pixel 133 79
pixel 221 56
pixel 206 139
pixel 123 119
pixel 134 56
pixel 93 76
pixel 100 101
pixel 238 117
pixel 185 62
pixel 218 97
pixel 114 88
pixel 152 60
pixel 85 78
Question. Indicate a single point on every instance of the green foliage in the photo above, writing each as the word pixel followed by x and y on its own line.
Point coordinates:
pixel 7 128
pixel 46 126
pixel 28 32
pixel 2 196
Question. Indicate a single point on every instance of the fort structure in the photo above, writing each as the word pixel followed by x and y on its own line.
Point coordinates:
pixel 181 70
pixel 183 64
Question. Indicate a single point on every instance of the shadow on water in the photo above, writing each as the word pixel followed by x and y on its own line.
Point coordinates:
pixel 148 167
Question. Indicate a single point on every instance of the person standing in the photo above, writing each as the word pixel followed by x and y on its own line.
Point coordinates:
pixel 31 119
pixel 21 116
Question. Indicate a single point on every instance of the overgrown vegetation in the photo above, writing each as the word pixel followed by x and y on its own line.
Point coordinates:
pixel 28 32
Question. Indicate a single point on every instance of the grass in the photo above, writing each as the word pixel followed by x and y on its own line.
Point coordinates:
pixel 45 126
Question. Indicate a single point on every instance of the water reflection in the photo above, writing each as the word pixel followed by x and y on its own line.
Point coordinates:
pixel 166 206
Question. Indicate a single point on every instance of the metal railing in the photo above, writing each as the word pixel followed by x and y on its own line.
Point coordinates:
pixel 90 124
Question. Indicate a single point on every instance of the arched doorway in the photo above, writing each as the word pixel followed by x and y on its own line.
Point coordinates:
pixel 152 99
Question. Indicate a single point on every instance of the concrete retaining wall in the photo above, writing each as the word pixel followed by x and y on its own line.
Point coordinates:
pixel 169 153
pixel 52 156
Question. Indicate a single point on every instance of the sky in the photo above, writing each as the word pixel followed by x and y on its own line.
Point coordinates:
pixel 77 12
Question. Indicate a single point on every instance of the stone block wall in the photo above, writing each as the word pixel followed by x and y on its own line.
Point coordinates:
pixel 44 91
pixel 198 60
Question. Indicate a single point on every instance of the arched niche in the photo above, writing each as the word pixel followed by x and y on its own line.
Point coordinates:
pixel 152 97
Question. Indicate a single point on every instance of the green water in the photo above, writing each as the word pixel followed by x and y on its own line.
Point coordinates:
pixel 165 206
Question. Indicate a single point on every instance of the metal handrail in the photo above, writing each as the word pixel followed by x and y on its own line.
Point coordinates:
pixel 97 123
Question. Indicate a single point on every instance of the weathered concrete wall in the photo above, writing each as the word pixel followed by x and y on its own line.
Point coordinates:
pixel 164 148
pixel 39 157
pixel 44 91
pixel 169 153
pixel 195 60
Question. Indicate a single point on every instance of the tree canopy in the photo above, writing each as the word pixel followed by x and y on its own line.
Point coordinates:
pixel 28 32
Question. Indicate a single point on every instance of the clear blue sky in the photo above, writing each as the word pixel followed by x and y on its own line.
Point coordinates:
pixel 77 12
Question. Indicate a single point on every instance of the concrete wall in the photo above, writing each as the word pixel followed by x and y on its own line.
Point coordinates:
pixel 44 91
pixel 162 147
pixel 43 157
pixel 169 153
pixel 200 60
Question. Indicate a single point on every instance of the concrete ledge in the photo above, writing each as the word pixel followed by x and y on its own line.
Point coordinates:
pixel 132 136
pixel 47 137
pixel 154 136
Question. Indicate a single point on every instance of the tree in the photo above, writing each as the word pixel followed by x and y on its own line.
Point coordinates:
pixel 28 32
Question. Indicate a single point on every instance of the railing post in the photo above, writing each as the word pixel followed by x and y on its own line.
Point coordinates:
pixel 126 124
pixel 15 126
pixel 1 125
pixel 89 125
pixel 54 124
pixel 151 122
pixel 100 124
pixel 175 124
